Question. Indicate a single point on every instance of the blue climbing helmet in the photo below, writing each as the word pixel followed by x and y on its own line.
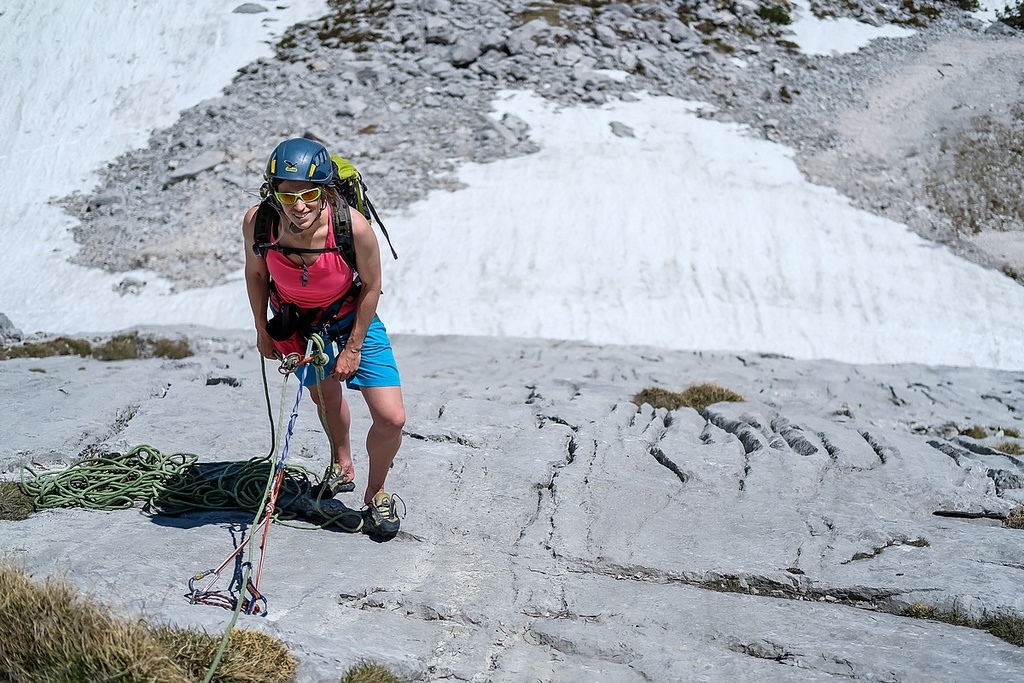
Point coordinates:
pixel 300 159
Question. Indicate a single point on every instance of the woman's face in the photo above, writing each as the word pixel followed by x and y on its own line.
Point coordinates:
pixel 300 201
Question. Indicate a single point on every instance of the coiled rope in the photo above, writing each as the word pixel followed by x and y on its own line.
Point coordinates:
pixel 173 484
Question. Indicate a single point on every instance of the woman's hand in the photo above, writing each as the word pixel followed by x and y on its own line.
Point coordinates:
pixel 347 364
pixel 265 344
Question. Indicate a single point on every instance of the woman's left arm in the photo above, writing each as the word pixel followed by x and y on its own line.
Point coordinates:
pixel 368 266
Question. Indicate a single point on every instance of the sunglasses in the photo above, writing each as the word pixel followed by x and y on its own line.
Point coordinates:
pixel 307 196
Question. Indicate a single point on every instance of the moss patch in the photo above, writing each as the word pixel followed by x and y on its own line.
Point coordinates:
pixel 698 397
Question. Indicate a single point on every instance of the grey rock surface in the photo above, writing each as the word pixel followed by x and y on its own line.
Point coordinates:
pixel 556 531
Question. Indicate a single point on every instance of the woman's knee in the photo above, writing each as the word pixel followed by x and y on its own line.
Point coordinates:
pixel 327 393
pixel 391 419
pixel 386 408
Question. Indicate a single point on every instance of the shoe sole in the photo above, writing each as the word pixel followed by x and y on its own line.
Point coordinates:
pixel 322 491
pixel 372 527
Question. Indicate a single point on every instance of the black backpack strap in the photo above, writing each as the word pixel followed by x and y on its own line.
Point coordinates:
pixel 264 227
pixel 343 239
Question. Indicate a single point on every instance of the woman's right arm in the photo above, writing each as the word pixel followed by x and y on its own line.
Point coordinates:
pixel 257 286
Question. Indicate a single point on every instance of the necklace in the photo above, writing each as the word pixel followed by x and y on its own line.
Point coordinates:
pixel 295 230
pixel 305 270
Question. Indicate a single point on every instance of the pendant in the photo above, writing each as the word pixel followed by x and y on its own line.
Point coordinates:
pixel 305 275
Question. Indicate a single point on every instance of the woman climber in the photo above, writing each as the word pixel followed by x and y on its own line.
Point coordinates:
pixel 315 262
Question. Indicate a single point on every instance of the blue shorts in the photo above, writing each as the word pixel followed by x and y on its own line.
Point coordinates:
pixel 377 367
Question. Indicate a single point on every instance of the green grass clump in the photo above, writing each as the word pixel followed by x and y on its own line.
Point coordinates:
pixel 368 672
pixel 51 634
pixel 975 432
pixel 1011 432
pixel 14 504
pixel 1005 626
pixel 698 397
pixel 1015 520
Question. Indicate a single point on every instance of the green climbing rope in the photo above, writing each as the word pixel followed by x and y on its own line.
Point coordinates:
pixel 173 484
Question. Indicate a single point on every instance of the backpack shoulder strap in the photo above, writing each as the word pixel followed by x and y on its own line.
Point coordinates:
pixel 265 225
pixel 343 240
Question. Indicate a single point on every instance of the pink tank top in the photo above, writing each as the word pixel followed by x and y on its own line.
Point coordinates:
pixel 328 277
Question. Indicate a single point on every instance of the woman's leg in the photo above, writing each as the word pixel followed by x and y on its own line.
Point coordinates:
pixel 336 420
pixel 387 412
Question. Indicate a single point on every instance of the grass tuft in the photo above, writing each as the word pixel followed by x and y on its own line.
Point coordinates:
pixel 975 432
pixel 368 672
pixel 698 397
pixel 1011 432
pixel 61 346
pixel 119 347
pixel 250 657
pixel 14 504
pixel 776 14
pixel 921 610
pixel 172 349
pixel 1005 626
pixel 1010 448
pixel 50 634
pixel 1015 520
pixel 1010 629
pixel 1012 16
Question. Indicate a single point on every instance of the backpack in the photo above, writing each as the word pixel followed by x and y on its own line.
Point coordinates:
pixel 352 190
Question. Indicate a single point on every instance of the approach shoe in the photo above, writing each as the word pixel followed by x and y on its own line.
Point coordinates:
pixel 331 485
pixel 382 516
